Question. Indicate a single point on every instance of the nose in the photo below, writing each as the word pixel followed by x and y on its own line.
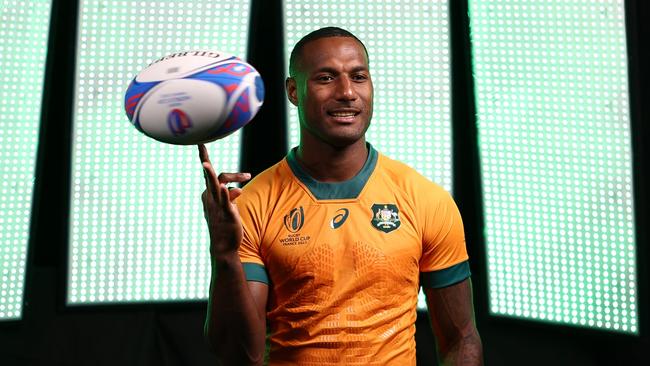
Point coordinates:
pixel 345 89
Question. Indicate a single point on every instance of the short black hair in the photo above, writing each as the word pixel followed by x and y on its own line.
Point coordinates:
pixel 318 34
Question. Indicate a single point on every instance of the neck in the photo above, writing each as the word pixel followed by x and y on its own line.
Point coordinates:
pixel 333 164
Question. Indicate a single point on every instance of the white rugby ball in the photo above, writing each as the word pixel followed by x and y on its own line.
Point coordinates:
pixel 193 97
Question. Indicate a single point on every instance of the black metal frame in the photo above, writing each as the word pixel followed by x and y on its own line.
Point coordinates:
pixel 48 244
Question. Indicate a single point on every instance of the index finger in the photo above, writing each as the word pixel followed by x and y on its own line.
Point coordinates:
pixel 203 153
pixel 211 180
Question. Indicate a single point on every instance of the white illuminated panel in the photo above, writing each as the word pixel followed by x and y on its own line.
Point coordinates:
pixel 24 27
pixel 408 46
pixel 554 129
pixel 137 231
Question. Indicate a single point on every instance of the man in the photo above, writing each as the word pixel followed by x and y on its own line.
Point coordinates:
pixel 330 245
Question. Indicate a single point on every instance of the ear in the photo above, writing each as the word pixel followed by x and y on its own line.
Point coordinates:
pixel 292 92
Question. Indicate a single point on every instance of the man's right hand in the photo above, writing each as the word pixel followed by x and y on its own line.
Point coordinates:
pixel 235 324
pixel 224 223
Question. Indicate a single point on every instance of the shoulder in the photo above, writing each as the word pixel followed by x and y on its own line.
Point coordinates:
pixel 265 185
pixel 408 179
pixel 267 178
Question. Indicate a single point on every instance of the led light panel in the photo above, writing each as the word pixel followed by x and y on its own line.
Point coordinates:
pixel 24 27
pixel 554 130
pixel 137 231
pixel 408 46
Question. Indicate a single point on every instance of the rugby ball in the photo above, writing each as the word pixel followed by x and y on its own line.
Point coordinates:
pixel 193 97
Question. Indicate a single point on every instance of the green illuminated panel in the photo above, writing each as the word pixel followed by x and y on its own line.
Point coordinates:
pixel 408 45
pixel 24 27
pixel 553 118
pixel 137 229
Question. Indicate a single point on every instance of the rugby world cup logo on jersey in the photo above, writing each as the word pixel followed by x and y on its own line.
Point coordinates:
pixel 293 222
pixel 385 217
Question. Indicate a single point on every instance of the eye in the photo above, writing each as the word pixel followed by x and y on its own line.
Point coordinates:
pixel 325 78
pixel 359 77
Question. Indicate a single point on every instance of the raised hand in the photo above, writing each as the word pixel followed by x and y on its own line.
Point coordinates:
pixel 221 214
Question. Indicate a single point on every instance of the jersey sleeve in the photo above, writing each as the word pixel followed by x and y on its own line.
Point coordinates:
pixel 250 252
pixel 444 254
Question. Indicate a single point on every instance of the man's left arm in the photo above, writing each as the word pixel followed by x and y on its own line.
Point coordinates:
pixel 451 312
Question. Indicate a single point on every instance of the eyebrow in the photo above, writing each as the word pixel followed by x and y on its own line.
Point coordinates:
pixel 334 71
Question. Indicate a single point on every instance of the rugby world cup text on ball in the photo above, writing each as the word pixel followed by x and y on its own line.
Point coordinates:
pixel 174 99
pixel 188 53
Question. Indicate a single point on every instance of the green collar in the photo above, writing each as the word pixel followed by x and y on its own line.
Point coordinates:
pixel 348 189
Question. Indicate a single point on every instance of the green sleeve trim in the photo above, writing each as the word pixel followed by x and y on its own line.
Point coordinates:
pixel 445 277
pixel 255 272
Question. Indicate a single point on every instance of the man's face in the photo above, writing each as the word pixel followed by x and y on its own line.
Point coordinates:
pixel 333 91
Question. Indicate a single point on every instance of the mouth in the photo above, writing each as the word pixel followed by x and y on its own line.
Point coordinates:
pixel 344 115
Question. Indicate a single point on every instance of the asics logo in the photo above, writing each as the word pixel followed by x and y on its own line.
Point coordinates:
pixel 339 219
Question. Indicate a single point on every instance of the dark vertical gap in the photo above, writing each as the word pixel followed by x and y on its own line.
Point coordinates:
pixel 51 198
pixel 24 342
pixel 264 139
pixel 636 15
pixel 465 172
pixel 466 169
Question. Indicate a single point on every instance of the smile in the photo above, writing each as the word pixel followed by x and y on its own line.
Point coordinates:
pixel 343 113
pixel 339 114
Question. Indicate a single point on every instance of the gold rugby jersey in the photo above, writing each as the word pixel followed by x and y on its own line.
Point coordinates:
pixel 344 261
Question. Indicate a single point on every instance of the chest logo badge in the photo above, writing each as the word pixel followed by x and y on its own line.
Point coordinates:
pixel 340 217
pixel 385 217
pixel 294 220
